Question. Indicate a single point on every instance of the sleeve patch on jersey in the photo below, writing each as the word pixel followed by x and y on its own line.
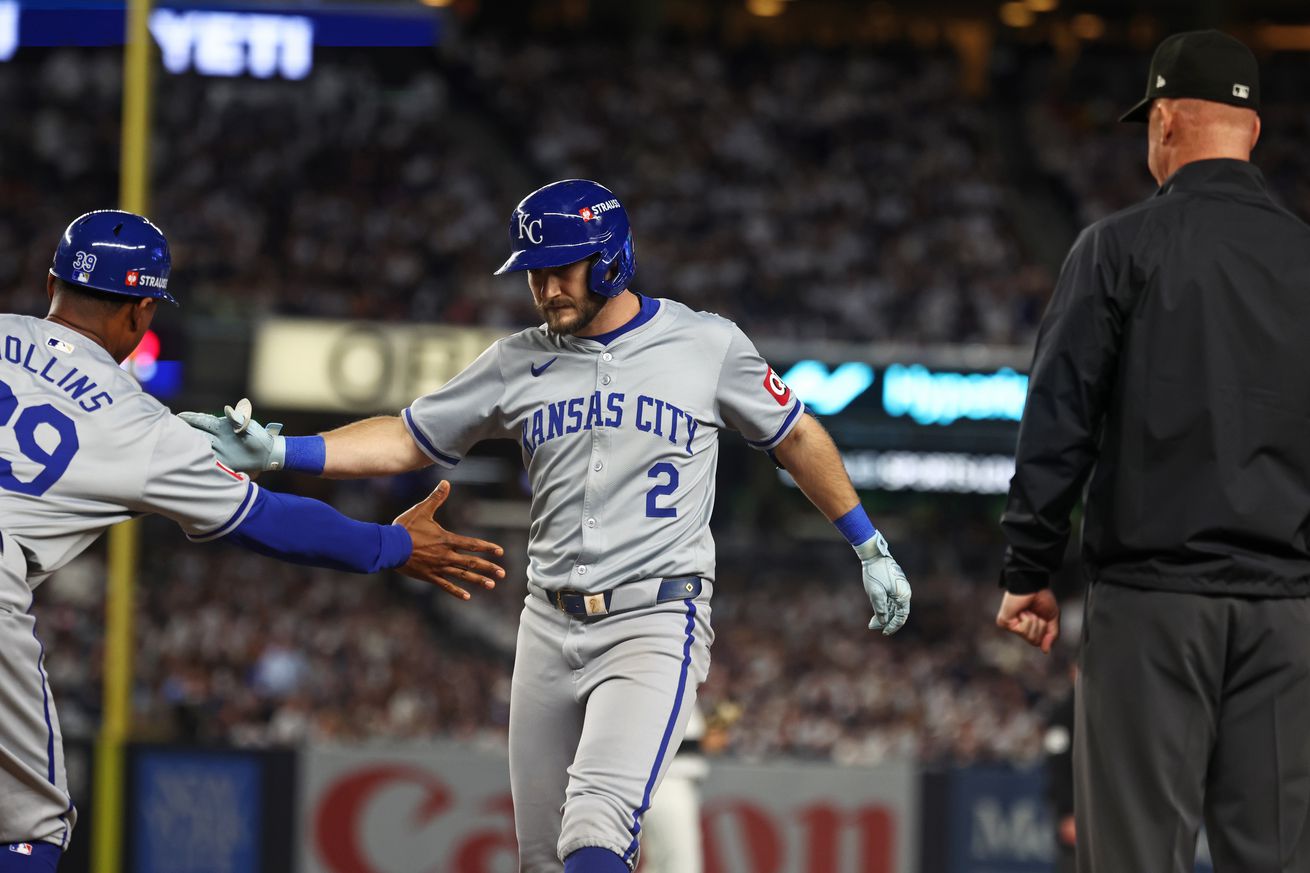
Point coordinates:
pixel 777 388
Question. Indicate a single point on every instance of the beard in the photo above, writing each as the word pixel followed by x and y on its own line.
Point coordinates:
pixel 567 317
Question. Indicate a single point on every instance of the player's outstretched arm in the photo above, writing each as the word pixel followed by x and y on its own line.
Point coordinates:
pixel 380 446
pixel 812 459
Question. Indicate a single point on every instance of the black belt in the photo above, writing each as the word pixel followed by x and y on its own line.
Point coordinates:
pixel 575 602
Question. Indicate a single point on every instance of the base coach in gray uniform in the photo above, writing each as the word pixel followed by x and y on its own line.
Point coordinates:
pixel 1171 381
pixel 83 448
pixel 616 403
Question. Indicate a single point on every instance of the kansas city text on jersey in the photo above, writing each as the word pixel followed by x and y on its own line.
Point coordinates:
pixel 76 385
pixel 651 415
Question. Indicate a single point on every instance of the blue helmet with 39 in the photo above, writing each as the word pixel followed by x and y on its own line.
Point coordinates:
pixel 115 252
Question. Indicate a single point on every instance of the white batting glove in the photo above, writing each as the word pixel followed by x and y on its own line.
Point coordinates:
pixel 239 441
pixel 886 585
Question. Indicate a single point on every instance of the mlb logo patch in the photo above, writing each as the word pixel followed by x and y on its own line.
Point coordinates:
pixel 84 277
pixel 586 213
pixel 1242 91
pixel 21 848
pixel 131 279
pixel 59 345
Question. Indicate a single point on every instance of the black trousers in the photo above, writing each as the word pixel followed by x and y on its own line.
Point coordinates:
pixel 1192 706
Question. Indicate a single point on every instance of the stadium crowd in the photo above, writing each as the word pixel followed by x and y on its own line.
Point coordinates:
pixel 803 194
pixel 854 196
pixel 233 648
pixel 850 195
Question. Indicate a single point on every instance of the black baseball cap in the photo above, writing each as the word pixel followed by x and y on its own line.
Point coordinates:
pixel 1201 64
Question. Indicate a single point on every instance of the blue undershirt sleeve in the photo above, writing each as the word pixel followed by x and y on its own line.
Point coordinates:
pixel 301 530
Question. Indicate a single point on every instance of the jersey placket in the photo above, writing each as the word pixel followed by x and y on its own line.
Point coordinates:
pixel 594 492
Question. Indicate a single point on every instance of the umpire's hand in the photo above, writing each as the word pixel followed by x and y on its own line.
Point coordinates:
pixel 438 553
pixel 1035 617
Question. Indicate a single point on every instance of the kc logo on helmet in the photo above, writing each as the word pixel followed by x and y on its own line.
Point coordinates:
pixel 131 278
pixel 530 229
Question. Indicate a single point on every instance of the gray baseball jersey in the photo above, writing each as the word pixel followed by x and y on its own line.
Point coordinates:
pixel 620 439
pixel 82 448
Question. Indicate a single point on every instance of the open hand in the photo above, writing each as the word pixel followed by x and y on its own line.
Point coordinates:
pixel 1035 617
pixel 439 555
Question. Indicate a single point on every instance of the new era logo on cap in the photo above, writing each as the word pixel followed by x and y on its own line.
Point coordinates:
pixel 1159 81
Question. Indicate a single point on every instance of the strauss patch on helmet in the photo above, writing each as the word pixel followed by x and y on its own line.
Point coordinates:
pixel 590 212
pixel 136 279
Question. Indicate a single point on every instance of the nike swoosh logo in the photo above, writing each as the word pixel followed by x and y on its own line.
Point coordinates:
pixel 537 371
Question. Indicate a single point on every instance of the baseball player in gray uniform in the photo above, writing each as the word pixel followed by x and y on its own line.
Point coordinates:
pixel 82 448
pixel 616 403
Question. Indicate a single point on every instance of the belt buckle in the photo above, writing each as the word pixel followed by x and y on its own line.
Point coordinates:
pixel 595 604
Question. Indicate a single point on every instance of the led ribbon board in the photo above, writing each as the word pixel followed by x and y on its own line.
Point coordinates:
pixel 943 398
pixel 220 40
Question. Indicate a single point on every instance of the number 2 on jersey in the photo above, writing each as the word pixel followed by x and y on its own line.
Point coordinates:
pixel 54 463
pixel 661 489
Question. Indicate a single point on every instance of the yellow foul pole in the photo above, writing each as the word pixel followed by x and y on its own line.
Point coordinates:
pixel 134 170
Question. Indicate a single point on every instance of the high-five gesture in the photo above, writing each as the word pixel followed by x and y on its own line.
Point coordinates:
pixel 440 556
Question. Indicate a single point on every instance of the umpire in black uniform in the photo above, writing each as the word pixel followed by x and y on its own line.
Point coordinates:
pixel 1171 381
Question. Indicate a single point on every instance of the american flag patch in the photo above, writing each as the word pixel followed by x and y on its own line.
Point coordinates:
pixel 21 848
pixel 59 345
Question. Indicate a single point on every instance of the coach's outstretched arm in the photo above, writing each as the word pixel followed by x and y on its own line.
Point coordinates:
pixel 380 446
pixel 812 459
pixel 300 530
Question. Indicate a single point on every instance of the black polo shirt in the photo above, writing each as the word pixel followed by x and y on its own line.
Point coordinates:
pixel 1171 381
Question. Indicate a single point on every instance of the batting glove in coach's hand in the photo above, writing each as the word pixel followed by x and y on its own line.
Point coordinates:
pixel 239 441
pixel 886 585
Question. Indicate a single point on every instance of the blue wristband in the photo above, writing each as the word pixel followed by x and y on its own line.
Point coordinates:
pixel 855 526
pixel 305 454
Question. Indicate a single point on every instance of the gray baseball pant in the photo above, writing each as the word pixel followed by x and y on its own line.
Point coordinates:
pixel 598 707
pixel 34 802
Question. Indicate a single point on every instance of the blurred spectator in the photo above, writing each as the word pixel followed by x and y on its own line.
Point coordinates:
pixel 851 196
pixel 235 649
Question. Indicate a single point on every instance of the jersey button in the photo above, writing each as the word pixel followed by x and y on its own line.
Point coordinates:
pixel 598 466
pixel 582 569
pixel 591 522
pixel 605 380
pixel 607 357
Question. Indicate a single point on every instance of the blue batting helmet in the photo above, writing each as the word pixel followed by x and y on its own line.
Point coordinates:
pixel 116 252
pixel 571 221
